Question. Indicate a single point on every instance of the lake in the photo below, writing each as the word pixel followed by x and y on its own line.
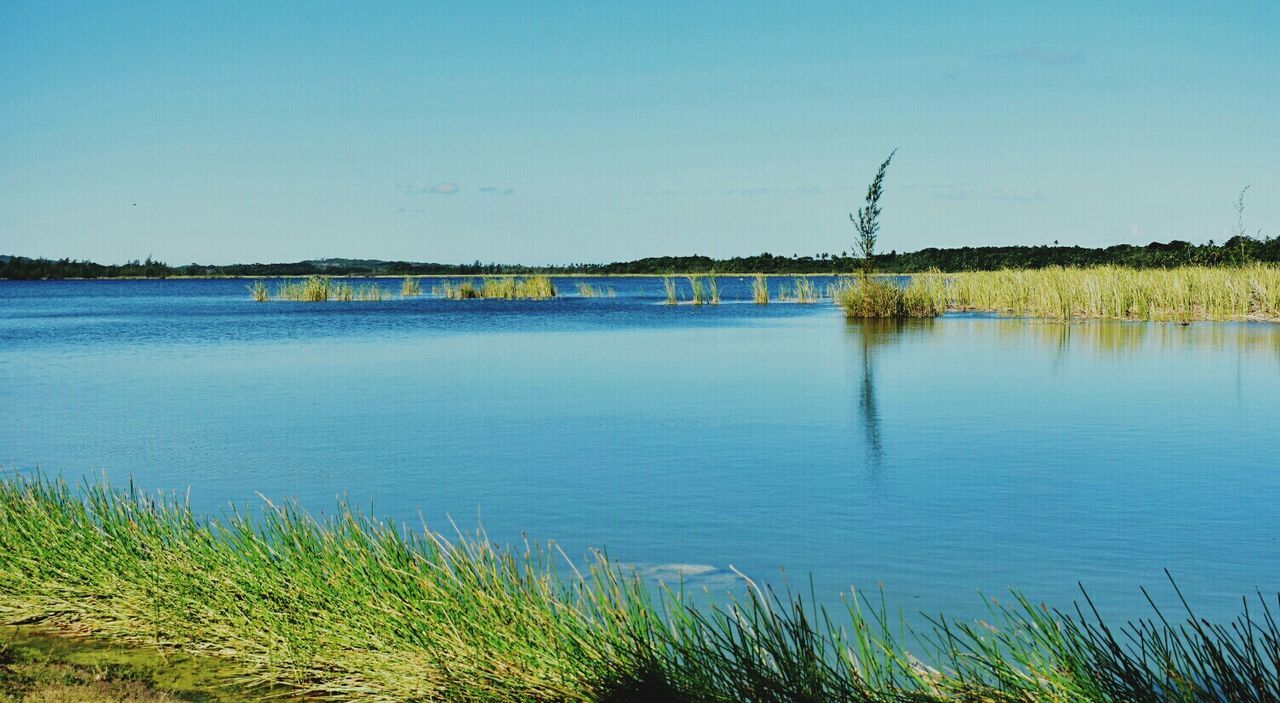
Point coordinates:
pixel 938 458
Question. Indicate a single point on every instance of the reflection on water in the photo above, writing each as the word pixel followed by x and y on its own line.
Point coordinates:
pixel 873 334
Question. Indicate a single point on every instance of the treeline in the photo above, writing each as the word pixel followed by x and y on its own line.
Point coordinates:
pixel 1237 250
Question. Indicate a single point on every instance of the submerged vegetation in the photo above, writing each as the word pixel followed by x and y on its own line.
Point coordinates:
pixel 352 608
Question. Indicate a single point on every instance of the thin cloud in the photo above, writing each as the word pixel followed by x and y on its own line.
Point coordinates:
pixel 1031 55
pixel 444 188
pixel 494 190
pixel 953 192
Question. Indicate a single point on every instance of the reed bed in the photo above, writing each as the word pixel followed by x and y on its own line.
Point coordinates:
pixel 713 285
pixel 351 608
pixel 760 289
pixel 410 287
pixel 669 287
pixel 1179 294
pixel 316 289
pixel 499 288
pixel 586 290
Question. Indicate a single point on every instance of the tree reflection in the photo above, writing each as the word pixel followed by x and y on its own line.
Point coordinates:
pixel 874 336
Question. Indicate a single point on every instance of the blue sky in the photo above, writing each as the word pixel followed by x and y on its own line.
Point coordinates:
pixel 549 133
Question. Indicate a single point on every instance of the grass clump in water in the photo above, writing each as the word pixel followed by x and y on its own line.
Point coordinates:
pixel 669 286
pixel 410 287
pixel 351 608
pixel 313 289
pixel 259 291
pixel 586 290
pixel 500 288
pixel 697 290
pixel 760 289
pixel 867 297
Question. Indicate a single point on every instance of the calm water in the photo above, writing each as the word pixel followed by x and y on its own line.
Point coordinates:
pixel 938 458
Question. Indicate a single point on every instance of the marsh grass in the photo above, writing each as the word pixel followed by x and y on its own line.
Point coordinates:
pixel 669 287
pixel 499 288
pixel 697 292
pixel 312 289
pixel 348 607
pixel 1178 294
pixel 586 290
pixel 713 285
pixel 802 291
pixel 869 297
pixel 760 289
pixel 259 291
pixel 410 288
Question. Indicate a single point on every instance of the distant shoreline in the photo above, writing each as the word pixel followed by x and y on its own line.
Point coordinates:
pixel 1235 251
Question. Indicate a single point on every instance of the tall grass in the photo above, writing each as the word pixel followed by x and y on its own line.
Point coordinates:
pixel 1179 294
pixel 349 607
pixel 259 291
pixel 867 297
pixel 586 290
pixel 410 288
pixel 313 289
pixel 760 289
pixel 501 288
pixel 713 285
pixel 696 290
pixel 669 287
pixel 802 291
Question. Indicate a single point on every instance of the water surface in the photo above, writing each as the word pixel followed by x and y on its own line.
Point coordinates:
pixel 938 458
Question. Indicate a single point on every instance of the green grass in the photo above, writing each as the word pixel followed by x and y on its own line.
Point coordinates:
pixel 760 289
pixel 499 288
pixel 1178 294
pixel 867 297
pixel 259 291
pixel 352 608
pixel 669 286
pixel 802 291
pixel 697 292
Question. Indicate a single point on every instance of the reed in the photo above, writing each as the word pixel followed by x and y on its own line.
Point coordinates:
pixel 760 290
pixel 351 608
pixel 500 288
pixel 313 289
pixel 586 290
pixel 805 292
pixel 410 287
pixel 669 285
pixel 259 291
pixel 867 297
pixel 697 290
pixel 713 284
pixel 1180 294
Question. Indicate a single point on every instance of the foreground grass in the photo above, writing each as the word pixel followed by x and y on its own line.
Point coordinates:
pixel 38 666
pixel 352 608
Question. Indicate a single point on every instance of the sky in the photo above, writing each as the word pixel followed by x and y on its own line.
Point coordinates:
pixel 544 133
